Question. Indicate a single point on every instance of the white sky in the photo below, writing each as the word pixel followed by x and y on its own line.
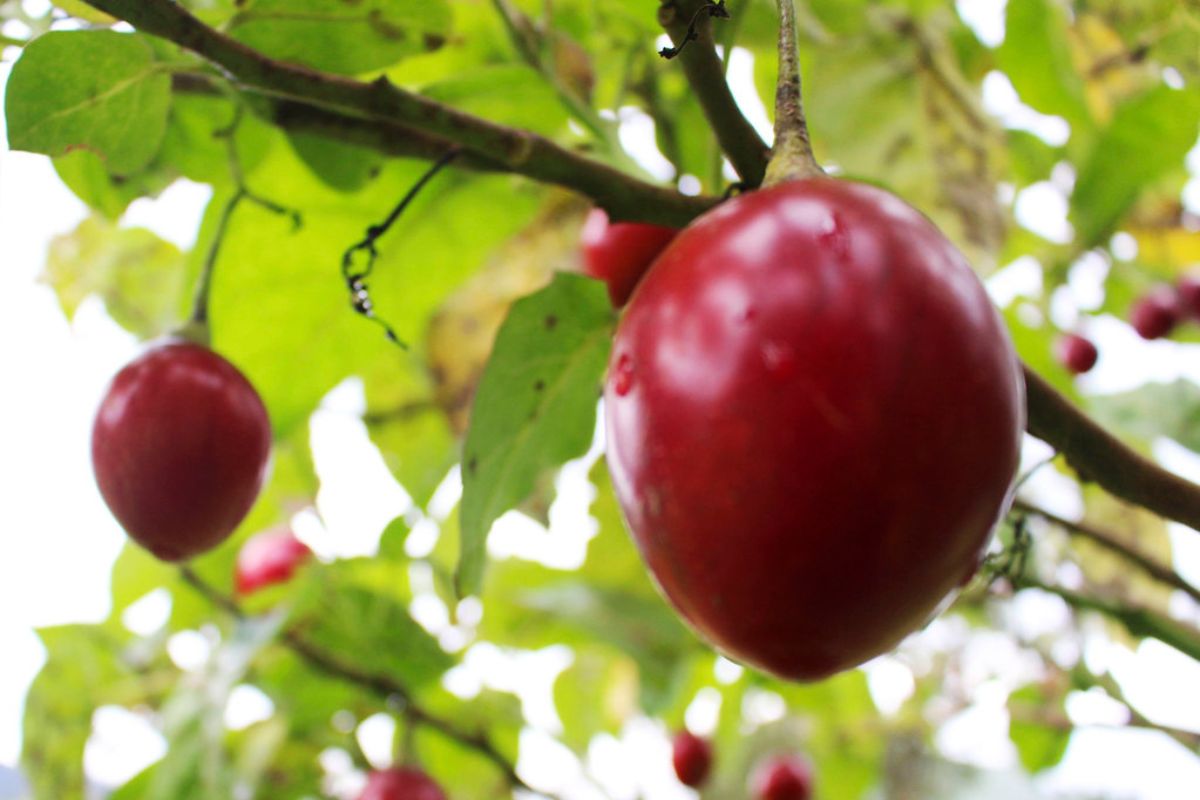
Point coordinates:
pixel 59 540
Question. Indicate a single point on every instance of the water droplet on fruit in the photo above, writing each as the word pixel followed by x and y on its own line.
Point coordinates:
pixel 623 375
pixel 779 360
pixel 833 235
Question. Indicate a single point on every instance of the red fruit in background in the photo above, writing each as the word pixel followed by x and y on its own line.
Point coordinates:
pixel 1156 313
pixel 180 447
pixel 268 558
pixel 814 414
pixel 401 783
pixel 692 758
pixel 1076 353
pixel 620 253
pixel 783 778
pixel 1188 289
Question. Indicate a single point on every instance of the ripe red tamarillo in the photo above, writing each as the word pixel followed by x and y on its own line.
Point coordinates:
pixel 814 414
pixel 180 447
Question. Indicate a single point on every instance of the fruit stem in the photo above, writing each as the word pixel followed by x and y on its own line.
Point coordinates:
pixel 196 329
pixel 792 155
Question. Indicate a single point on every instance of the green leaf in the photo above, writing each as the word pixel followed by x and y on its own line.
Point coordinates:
pixel 535 407
pixel 596 694
pixel 97 90
pixel 1154 410
pixel 139 276
pixel 1036 57
pixel 1038 746
pixel 80 674
pixel 343 37
pixel 356 611
pixel 86 175
pixel 1147 138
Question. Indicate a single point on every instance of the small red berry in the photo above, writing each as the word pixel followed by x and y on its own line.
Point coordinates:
pixel 401 783
pixel 1188 288
pixel 692 758
pixel 620 253
pixel 1156 313
pixel 268 558
pixel 784 778
pixel 1076 353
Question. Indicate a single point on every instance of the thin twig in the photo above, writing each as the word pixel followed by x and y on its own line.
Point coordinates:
pixel 1138 620
pixel 1112 542
pixel 521 151
pixel 385 686
pixel 705 73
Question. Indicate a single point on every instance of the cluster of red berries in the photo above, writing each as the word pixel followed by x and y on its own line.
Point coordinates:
pixel 1153 315
pixel 781 777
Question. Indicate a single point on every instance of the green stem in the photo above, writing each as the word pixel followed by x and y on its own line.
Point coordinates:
pixel 1138 620
pixel 792 156
pixel 197 328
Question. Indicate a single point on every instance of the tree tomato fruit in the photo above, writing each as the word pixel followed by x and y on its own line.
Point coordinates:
pixel 180 447
pixel 401 783
pixel 1156 313
pixel 1188 289
pixel 692 758
pixel 1076 353
pixel 814 415
pixel 268 558
pixel 783 778
pixel 619 253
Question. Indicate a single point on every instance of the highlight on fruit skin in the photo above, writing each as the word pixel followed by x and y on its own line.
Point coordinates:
pixel 814 415
pixel 180 448
pixel 269 558
pixel 692 758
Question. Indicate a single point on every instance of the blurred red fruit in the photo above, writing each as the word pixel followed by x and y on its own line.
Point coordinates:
pixel 1156 313
pixel 401 783
pixel 784 778
pixel 692 758
pixel 1076 353
pixel 268 558
pixel 620 253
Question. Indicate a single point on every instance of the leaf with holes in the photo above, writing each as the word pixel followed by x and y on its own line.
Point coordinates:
pixel 95 90
pixel 535 407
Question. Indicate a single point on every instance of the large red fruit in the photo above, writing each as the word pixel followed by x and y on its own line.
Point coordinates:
pixel 619 253
pixel 783 778
pixel 268 558
pixel 401 783
pixel 814 415
pixel 180 448
pixel 692 757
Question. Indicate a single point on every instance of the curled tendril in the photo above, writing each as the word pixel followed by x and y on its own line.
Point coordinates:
pixel 356 278
pixel 717 10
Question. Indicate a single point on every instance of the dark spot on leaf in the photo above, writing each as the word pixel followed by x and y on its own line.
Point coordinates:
pixel 473 465
pixel 384 28
pixel 438 374
pixel 551 322
pixel 434 41
pixel 539 385
pixel 468 325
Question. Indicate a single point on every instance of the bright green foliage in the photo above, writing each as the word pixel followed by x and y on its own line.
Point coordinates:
pixel 535 407
pixel 93 90
pixel 339 36
pixel 894 95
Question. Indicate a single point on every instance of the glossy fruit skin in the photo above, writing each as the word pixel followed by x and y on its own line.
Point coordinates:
pixel 180 447
pixel 1076 353
pixel 1156 313
pixel 784 778
pixel 268 558
pixel 401 783
pixel 692 757
pixel 1188 289
pixel 620 253
pixel 814 415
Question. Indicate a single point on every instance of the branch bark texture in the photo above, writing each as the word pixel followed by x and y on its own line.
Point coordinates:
pixel 393 120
